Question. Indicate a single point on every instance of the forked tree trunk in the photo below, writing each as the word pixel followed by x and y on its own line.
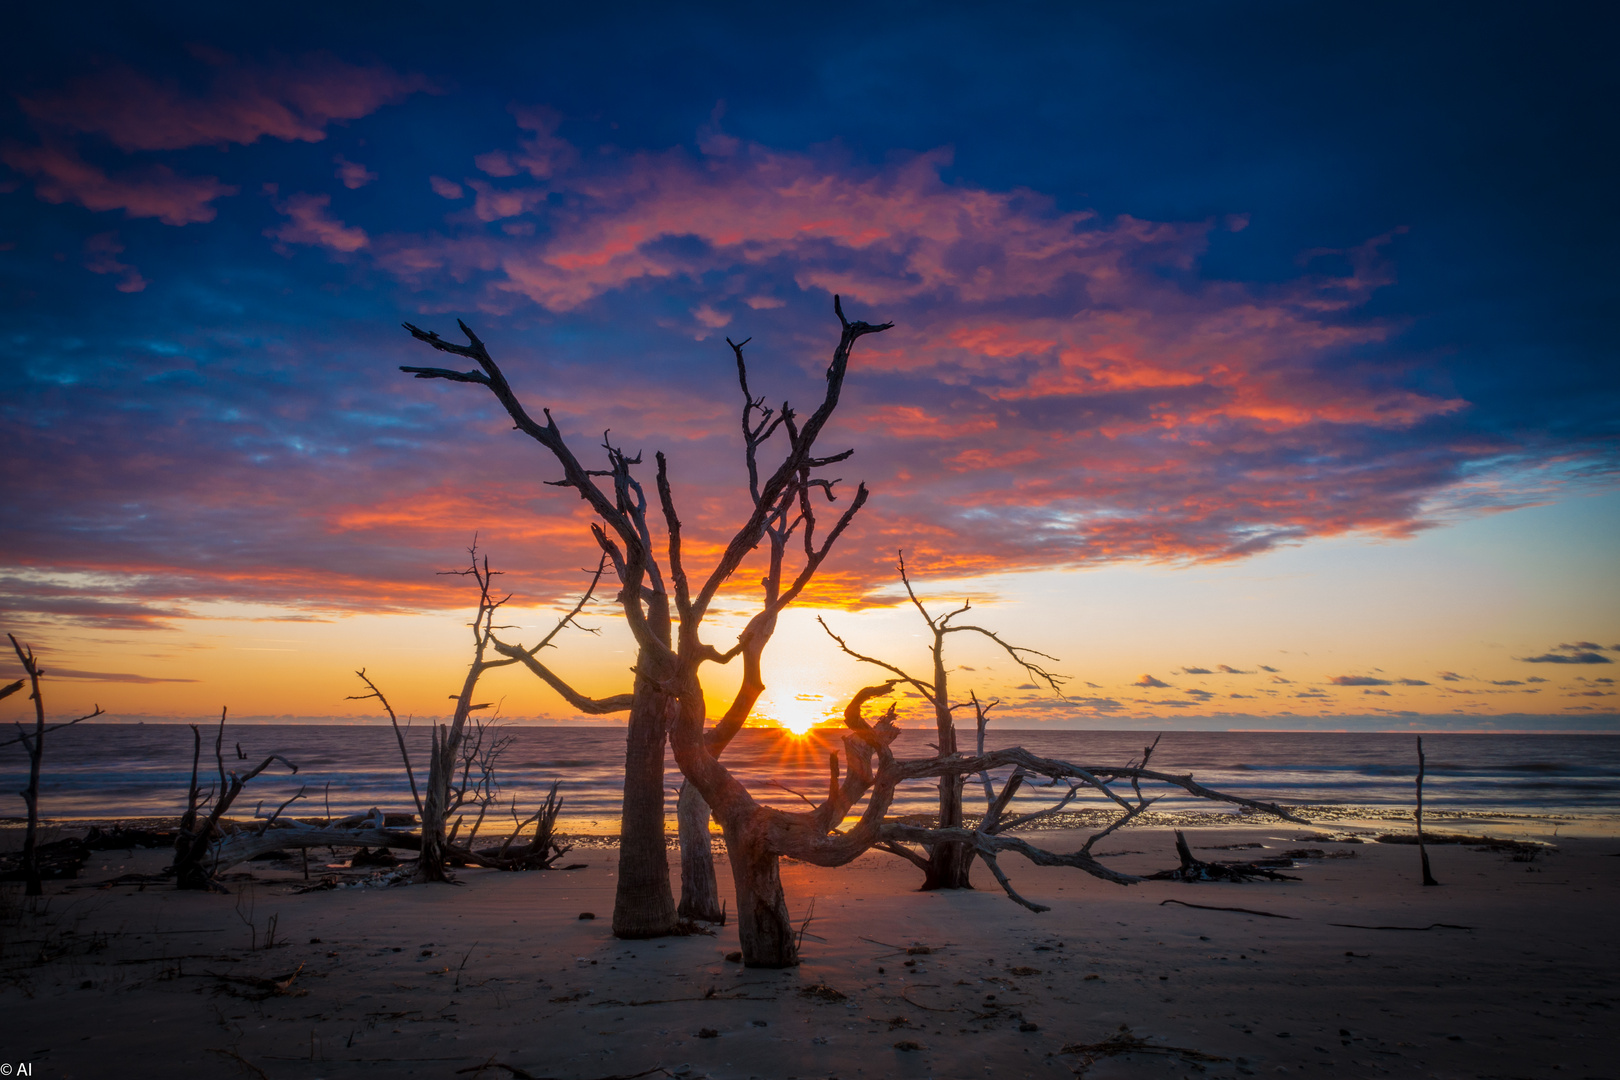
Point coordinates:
pixel 431 865
pixel 767 936
pixel 644 905
pixel 700 892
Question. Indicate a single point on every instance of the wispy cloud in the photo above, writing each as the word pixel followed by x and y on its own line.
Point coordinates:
pixel 101 257
pixel 245 101
pixel 310 222
pixel 110 677
pixel 352 173
pixel 1580 652
pixel 140 114
pixel 151 191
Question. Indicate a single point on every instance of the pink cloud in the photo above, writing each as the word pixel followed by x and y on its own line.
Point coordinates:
pixel 101 253
pixel 309 223
pixel 445 189
pixel 245 102
pixel 353 174
pixel 1060 388
pixel 492 204
pixel 61 176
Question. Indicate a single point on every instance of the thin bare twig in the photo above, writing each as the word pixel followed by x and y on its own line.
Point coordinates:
pixel 398 735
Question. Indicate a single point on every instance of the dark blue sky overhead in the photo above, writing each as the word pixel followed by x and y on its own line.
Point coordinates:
pixel 1172 281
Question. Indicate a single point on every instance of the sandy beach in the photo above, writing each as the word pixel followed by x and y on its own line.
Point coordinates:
pixel 502 973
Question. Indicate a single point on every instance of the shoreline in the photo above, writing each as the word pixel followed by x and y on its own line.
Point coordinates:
pixel 435 982
pixel 1332 819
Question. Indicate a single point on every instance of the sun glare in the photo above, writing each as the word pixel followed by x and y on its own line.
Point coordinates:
pixel 797 715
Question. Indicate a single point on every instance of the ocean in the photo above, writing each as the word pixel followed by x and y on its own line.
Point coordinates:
pixel 120 771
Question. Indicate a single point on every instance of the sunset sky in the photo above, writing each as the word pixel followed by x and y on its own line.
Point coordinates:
pixel 1257 361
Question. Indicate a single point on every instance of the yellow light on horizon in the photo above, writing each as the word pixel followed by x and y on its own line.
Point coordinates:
pixel 798 713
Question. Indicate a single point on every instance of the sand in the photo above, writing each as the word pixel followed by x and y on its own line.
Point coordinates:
pixel 501 972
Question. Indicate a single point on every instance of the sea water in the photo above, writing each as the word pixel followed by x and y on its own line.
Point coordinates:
pixel 121 771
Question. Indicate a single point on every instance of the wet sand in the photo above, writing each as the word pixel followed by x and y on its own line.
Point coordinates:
pixel 501 972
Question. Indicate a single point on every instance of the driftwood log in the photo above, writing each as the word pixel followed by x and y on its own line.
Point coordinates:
pixel 59 860
pixel 1195 869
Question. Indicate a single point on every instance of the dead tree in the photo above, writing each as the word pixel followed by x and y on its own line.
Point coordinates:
pixel 207 849
pixel 193 867
pixel 759 835
pixel 663 613
pixel 446 739
pixel 700 894
pixel 34 743
pixel 463 756
pixel 462 753
pixel 947 865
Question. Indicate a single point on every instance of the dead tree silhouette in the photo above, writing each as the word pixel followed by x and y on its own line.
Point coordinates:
pixel 947 865
pixel 663 611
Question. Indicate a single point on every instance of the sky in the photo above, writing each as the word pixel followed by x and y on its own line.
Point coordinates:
pixel 1254 360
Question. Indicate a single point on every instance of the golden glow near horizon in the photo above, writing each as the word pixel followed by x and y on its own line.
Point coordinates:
pixel 796 712
pixel 1443 624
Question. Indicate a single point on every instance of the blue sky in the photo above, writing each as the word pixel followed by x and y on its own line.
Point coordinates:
pixel 1177 286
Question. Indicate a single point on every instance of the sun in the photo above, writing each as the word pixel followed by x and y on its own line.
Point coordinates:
pixel 798 722
pixel 797 714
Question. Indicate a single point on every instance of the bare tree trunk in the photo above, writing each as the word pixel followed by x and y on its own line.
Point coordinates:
pixel 644 905
pixel 36 753
pixel 700 892
pixel 441 763
pixel 34 743
pixel 1423 852
pixel 950 863
pixel 767 936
